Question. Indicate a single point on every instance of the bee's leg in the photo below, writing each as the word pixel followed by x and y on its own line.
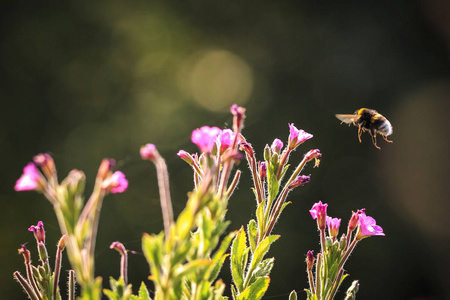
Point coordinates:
pixel 385 138
pixel 374 139
pixel 360 131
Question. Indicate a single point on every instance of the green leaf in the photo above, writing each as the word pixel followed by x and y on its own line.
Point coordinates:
pixel 256 290
pixel 252 232
pixel 272 182
pixel 152 248
pixel 263 269
pixel 191 267
pixel 262 249
pixel 219 257
pixel 238 250
pixel 293 295
pixel 233 293
pixel 143 292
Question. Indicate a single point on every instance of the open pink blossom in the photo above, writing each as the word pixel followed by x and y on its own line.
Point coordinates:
pixel 225 138
pixel 117 183
pixel 297 136
pixel 368 227
pixel 333 226
pixel 319 212
pixel 30 179
pixel 205 138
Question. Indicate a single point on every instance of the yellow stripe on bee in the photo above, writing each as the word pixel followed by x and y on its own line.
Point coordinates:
pixel 376 117
pixel 361 111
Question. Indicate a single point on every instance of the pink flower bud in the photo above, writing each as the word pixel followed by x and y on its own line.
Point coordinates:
pixel 354 220
pixel 238 117
pixel 333 226
pixel 117 183
pixel 319 212
pixel 277 145
pixel 149 152
pixel 247 148
pixel 31 179
pixel 105 168
pixel 300 180
pixel 119 247
pixel 205 138
pixel 38 231
pixel 45 161
pixel 186 157
pixel 310 259
pixel 262 170
pixel 296 136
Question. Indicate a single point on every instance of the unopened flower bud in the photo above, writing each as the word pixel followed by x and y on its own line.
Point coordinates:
pixel 328 242
pixel 38 231
pixel 149 152
pixel 43 255
pixel 262 170
pixel 343 242
pixel 186 157
pixel 47 164
pixel 333 226
pixel 267 154
pixel 277 145
pixel 310 260
pixel 105 168
pixel 62 242
pixel 300 180
pixel 74 182
pixel 119 247
pixel 354 220
pixel 319 212
pixel 238 113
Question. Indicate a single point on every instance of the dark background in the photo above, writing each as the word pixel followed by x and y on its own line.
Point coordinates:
pixel 95 79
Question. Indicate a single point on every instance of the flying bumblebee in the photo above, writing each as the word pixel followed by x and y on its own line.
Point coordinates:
pixel 370 120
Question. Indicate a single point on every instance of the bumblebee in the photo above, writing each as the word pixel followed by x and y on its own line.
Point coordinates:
pixel 370 120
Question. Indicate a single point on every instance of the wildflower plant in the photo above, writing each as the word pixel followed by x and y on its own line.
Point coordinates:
pixel 186 257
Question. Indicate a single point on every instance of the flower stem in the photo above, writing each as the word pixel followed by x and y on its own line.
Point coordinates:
pixel 164 193
pixel 26 286
pixel 71 284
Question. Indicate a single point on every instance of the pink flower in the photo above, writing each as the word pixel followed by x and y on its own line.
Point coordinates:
pixel 333 226
pixel 277 145
pixel 226 138
pixel 368 227
pixel 319 212
pixel 296 136
pixel 205 138
pixel 38 231
pixel 30 180
pixel 117 183
pixel 149 152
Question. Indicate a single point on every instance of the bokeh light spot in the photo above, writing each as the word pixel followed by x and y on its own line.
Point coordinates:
pixel 216 79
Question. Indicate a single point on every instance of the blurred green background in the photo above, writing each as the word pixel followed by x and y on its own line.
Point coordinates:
pixel 87 80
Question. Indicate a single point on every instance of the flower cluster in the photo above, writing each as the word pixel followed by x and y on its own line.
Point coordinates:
pixel 186 257
pixel 334 254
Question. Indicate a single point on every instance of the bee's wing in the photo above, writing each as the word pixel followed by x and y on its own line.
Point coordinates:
pixel 347 119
